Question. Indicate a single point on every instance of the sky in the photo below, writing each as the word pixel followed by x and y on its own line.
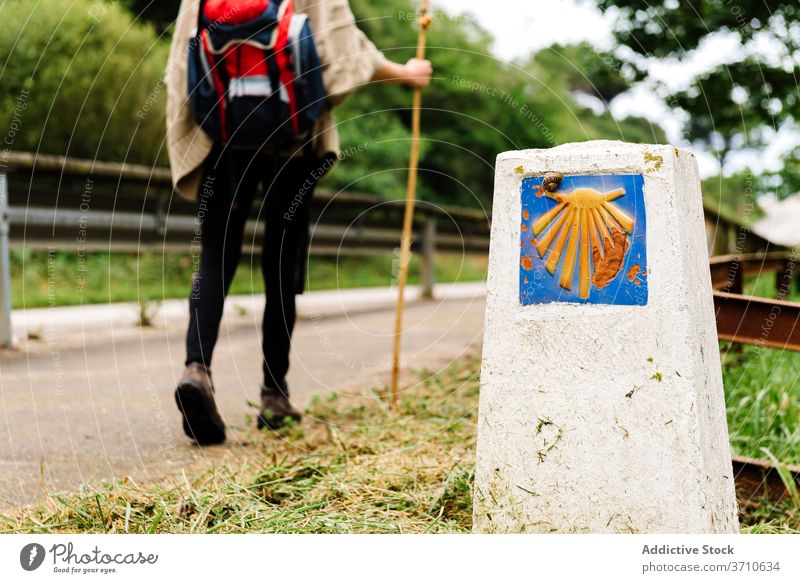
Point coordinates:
pixel 540 23
pixel 534 22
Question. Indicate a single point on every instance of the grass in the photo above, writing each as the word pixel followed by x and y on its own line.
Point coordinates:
pixel 41 279
pixel 353 467
pixel 763 398
pixel 768 518
pixel 764 285
pixel 763 405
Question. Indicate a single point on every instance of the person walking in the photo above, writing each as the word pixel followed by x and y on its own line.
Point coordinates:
pixel 210 167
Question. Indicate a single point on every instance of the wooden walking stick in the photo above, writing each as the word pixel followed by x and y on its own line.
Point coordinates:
pixel 411 195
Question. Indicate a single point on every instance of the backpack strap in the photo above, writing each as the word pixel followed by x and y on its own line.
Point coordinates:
pixel 219 76
pixel 286 76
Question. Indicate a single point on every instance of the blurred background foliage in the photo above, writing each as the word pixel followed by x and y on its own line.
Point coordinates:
pixel 745 98
pixel 82 79
pixel 87 76
pixel 749 91
pixel 93 70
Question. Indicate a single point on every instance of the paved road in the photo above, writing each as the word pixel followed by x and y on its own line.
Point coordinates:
pixel 91 398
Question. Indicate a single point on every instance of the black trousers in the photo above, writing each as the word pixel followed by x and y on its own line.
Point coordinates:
pixel 230 183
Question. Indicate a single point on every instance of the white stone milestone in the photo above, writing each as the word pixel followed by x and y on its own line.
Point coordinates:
pixel 601 406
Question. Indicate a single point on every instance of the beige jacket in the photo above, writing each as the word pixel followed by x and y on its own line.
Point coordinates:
pixel 348 57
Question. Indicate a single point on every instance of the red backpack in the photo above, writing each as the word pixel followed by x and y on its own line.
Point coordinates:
pixel 254 74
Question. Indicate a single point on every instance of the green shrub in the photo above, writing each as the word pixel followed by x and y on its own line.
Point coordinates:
pixel 81 78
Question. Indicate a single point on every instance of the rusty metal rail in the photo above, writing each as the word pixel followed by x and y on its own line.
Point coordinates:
pixel 758 321
pixel 756 479
pixel 773 323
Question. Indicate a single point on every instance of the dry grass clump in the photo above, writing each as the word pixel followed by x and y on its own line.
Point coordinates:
pixel 351 467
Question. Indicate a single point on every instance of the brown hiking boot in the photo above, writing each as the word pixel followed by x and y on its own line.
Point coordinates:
pixel 276 410
pixel 195 399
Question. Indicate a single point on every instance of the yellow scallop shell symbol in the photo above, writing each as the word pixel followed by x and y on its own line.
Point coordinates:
pixel 587 230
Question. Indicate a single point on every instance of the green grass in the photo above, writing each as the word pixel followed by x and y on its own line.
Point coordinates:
pixel 767 518
pixel 354 467
pixel 764 285
pixel 40 279
pixel 763 397
pixel 763 405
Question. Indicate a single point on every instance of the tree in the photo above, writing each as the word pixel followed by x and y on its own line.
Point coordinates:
pixel 738 103
pixel 584 70
pixel 80 79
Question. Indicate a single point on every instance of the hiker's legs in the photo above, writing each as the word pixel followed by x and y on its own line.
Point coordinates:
pixel 224 201
pixel 283 262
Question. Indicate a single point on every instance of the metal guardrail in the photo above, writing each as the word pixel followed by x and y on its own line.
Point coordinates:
pixel 52 202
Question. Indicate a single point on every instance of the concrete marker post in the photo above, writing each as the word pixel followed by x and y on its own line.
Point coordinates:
pixel 601 408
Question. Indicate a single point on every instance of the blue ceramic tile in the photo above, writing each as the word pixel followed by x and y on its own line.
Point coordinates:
pixel 599 225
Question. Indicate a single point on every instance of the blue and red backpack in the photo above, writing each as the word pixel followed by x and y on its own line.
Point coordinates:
pixel 254 74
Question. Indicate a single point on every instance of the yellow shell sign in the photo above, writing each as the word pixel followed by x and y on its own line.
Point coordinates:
pixel 585 242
